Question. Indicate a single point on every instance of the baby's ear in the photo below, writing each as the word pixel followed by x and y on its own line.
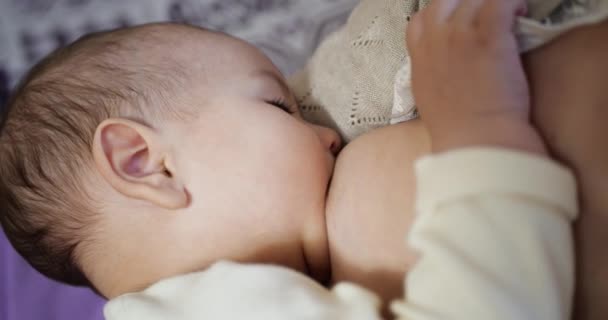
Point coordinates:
pixel 133 160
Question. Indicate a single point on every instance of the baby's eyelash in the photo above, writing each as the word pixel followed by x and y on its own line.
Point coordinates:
pixel 281 104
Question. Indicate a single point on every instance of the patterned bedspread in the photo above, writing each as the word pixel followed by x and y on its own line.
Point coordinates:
pixel 287 30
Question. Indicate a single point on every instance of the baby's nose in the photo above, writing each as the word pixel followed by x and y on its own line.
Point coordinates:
pixel 329 138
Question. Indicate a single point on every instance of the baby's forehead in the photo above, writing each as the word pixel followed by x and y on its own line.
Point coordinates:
pixel 214 54
pixel 189 44
pixel 198 59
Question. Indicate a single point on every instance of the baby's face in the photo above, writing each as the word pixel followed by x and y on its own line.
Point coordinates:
pixel 256 176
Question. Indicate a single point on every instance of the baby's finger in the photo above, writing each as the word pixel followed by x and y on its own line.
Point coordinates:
pixel 439 11
pixel 466 13
pixel 498 16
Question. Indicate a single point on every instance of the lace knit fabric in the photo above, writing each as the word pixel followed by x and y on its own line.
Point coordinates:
pixel 359 78
pixel 348 84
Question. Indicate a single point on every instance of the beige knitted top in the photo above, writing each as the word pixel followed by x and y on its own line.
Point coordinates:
pixel 359 78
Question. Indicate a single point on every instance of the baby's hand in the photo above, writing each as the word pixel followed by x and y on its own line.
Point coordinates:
pixel 468 78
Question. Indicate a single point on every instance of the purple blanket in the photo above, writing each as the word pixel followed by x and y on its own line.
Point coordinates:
pixel 27 295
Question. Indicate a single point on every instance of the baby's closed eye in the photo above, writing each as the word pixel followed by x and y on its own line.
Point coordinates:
pixel 282 104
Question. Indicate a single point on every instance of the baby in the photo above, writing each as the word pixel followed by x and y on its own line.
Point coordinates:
pixel 127 158
pixel 139 154
pixel 144 153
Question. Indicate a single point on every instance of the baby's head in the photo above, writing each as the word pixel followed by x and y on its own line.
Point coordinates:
pixel 143 153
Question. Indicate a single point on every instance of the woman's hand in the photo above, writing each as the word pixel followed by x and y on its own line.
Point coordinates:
pixel 468 78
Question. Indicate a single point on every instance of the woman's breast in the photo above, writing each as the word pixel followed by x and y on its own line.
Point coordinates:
pixel 370 207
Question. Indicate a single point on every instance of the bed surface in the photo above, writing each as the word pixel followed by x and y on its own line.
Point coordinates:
pixel 287 30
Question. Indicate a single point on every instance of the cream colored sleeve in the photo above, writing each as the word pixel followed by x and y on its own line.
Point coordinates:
pixel 232 291
pixel 494 234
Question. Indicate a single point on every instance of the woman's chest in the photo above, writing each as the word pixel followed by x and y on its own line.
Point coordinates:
pixel 371 207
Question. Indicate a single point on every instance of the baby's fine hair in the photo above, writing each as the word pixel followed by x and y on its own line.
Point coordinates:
pixel 47 130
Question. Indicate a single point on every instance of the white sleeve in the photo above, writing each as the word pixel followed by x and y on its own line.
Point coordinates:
pixel 232 291
pixel 494 236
